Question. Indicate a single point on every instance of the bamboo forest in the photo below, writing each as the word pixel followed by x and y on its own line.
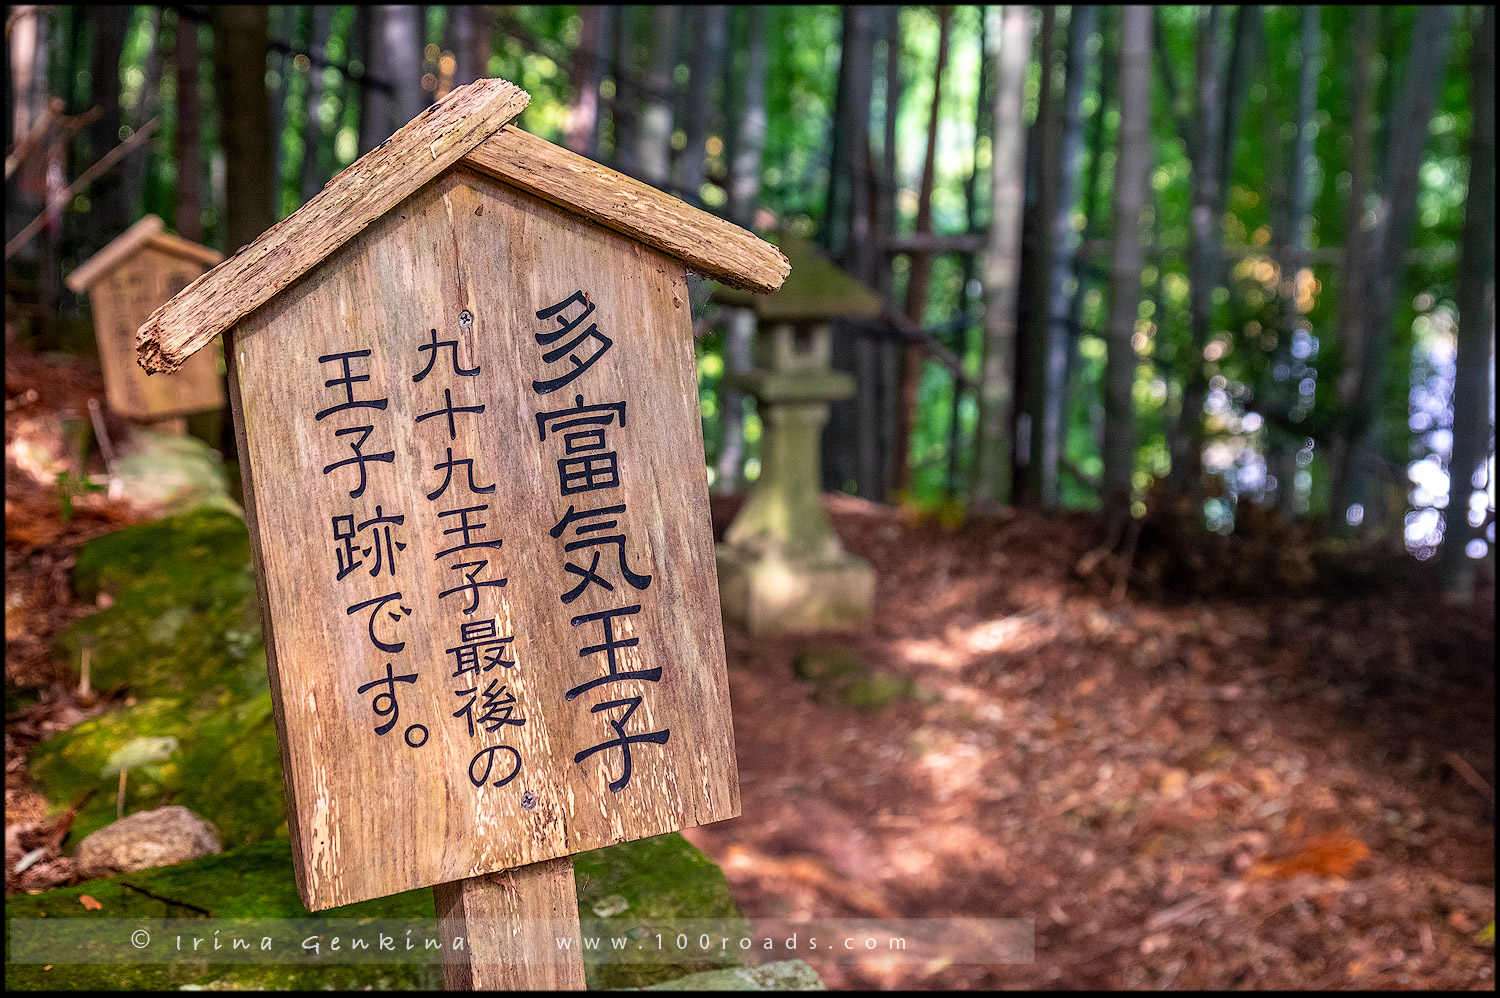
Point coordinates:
pixel 1102 506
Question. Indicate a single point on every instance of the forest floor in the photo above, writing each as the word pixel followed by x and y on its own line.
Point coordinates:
pixel 1211 794
pixel 1295 792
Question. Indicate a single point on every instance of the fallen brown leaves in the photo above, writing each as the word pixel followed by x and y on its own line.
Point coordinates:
pixel 1204 793
pixel 1332 855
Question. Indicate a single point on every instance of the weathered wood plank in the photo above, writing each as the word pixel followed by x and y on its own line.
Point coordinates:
pixel 374 184
pixel 509 925
pixel 474 260
pixel 708 245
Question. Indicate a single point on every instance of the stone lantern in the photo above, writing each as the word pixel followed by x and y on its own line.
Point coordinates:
pixel 781 566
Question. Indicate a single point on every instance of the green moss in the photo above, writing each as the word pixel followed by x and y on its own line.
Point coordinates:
pixel 820 665
pixel 815 288
pixel 786 975
pixel 255 882
pixel 874 691
pixel 657 878
pixel 182 611
pixel 661 877
pixel 225 765
pixel 181 632
pixel 841 679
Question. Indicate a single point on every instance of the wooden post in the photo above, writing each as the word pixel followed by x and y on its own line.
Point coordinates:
pixel 508 922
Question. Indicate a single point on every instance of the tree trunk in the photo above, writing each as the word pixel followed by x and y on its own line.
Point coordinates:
pixel 588 63
pixel 854 427
pixel 26 192
pixel 654 140
pixel 1205 239
pixel 881 190
pixel 240 45
pixel 1350 329
pixel 970 259
pixel 314 174
pixel 1395 218
pixel 401 45
pixel 710 27
pixel 886 188
pixel 471 25
pixel 744 193
pixel 850 135
pixel 1083 269
pixel 1294 256
pixel 1248 27
pixel 483 44
pixel 997 378
pixel 1049 430
pixel 1127 258
pixel 1472 385
pixel 1031 309
pixel 282 33
pixel 147 103
pixel 391 93
pixel 624 105
pixel 109 212
pixel 750 136
pixel 186 140
pixel 920 275
pixel 376 96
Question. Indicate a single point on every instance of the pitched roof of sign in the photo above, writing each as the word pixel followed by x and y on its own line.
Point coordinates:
pixel 149 231
pixel 468 126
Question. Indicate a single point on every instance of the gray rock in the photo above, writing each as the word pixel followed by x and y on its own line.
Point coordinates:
pixel 174 474
pixel 162 837
pixel 787 975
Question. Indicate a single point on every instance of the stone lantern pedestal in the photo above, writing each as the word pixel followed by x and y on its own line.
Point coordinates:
pixel 781 566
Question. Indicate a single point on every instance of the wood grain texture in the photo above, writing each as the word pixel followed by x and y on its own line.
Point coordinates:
pixel 120 298
pixel 371 816
pixel 374 184
pixel 509 923
pixel 708 245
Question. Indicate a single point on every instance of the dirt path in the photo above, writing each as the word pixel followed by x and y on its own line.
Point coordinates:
pixel 1193 796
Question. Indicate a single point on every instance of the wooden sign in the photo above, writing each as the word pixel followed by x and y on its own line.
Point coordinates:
pixel 468 425
pixel 126 281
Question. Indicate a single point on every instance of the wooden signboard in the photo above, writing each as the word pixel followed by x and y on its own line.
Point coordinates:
pixel 126 281
pixel 463 384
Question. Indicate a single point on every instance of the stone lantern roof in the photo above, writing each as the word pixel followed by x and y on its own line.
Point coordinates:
pixel 817 289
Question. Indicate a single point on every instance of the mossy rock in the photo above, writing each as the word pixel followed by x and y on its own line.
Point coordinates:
pixel 183 616
pixel 785 975
pixel 821 665
pixel 224 764
pixel 174 473
pixel 181 632
pixel 872 692
pixel 253 882
pixel 841 679
pixel 661 877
